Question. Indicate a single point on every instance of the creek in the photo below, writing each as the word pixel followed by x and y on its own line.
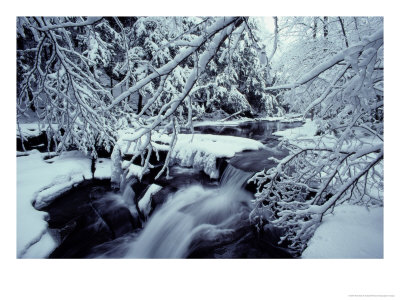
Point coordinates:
pixel 191 216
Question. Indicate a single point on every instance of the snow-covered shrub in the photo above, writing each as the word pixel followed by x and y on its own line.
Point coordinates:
pixel 345 161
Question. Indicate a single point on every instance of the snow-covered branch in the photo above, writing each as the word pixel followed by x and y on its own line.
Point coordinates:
pixel 89 21
pixel 339 57
pixel 344 161
pixel 182 55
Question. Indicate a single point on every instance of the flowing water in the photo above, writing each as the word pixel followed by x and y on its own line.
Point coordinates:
pixel 195 215
pixel 199 222
pixel 195 220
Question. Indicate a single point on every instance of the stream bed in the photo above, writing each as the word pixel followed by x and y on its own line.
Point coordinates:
pixel 191 216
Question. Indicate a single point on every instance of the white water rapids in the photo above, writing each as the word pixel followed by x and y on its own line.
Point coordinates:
pixel 193 215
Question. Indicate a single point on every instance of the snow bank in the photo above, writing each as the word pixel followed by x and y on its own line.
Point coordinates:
pixel 234 122
pixel 202 150
pixel 57 187
pixel 103 168
pixel 308 130
pixel 350 232
pixel 305 136
pixel 195 150
pixel 220 146
pixel 289 118
pixel 41 180
pixel 42 248
pixel 34 129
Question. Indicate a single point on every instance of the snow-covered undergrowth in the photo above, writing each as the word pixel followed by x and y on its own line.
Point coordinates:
pixel 199 151
pixel 306 136
pixel 353 231
pixel 39 181
pixel 350 232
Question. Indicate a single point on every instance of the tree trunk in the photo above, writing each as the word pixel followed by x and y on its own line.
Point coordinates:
pixel 111 85
pixel 356 26
pixel 325 27
pixel 275 38
pixel 93 166
pixel 315 28
pixel 344 32
pixel 140 103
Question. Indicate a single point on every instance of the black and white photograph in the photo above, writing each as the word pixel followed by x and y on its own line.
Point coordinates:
pixel 165 152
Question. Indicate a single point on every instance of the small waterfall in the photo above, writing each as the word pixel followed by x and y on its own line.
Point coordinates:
pixel 128 195
pixel 234 177
pixel 195 216
pixel 127 192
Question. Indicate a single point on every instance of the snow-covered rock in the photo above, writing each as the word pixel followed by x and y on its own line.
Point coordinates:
pixel 195 150
pixel 135 170
pixel 145 201
pixel 202 150
pixel 40 180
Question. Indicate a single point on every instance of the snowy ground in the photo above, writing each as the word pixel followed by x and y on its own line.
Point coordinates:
pixel 351 231
pixel 33 129
pixel 308 130
pixel 41 181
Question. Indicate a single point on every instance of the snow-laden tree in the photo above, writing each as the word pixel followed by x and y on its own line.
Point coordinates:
pixel 94 76
pixel 60 82
pixel 344 161
pixel 236 80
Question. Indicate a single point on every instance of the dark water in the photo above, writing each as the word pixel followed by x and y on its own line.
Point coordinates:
pixel 253 161
pixel 192 216
pixel 260 130
pixel 88 215
pixel 191 220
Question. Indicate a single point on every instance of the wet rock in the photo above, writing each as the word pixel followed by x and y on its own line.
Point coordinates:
pixel 116 216
pixel 89 231
pixel 244 243
pixel 87 216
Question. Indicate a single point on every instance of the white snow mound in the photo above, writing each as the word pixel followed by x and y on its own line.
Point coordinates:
pixel 350 232
pixel 41 181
